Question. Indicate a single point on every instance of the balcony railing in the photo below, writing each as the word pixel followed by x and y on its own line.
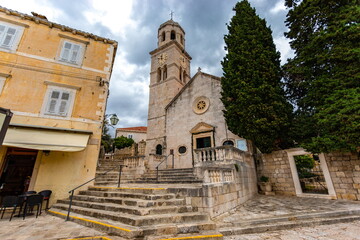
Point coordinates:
pixel 219 154
pixel 218 164
pixel 133 162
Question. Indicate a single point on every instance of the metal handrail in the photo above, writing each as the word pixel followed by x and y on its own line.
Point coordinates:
pixel 73 190
pixel 157 167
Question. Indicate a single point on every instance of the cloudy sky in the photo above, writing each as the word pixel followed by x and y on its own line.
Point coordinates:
pixel 134 24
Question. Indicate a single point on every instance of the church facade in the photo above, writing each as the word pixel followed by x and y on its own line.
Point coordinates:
pixel 185 113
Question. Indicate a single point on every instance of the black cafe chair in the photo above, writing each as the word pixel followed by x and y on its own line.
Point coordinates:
pixel 46 194
pixel 31 202
pixel 9 202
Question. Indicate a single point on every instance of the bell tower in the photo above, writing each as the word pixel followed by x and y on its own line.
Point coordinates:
pixel 170 71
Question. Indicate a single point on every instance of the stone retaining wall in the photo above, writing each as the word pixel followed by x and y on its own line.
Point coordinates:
pixel 276 166
pixel 219 198
pixel 344 169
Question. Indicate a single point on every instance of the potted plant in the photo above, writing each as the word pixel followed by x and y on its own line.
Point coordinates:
pixel 265 185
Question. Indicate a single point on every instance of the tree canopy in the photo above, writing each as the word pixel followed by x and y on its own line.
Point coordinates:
pixel 106 139
pixel 123 142
pixel 252 94
pixel 322 80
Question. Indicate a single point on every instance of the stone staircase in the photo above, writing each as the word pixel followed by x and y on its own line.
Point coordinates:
pixel 166 176
pixel 169 176
pixel 137 213
pixel 143 209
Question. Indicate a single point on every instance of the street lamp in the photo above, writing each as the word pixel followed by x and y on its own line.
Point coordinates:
pixel 114 119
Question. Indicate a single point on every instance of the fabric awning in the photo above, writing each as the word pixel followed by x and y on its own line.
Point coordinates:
pixel 42 138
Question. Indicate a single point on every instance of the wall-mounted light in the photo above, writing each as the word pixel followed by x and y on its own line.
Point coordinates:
pixel 114 119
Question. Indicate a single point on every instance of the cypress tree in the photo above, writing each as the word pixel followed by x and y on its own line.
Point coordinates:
pixel 323 77
pixel 252 93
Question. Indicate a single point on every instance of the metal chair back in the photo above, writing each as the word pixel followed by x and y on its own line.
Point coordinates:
pixel 9 202
pixel 46 194
pixel 32 201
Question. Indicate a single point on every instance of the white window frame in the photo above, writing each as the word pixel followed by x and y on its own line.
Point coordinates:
pixel 49 101
pixel 66 54
pixel 14 40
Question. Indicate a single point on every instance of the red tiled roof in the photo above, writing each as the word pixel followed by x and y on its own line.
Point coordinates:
pixel 133 129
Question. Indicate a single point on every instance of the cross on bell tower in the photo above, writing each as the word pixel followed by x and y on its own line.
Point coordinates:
pixel 171 15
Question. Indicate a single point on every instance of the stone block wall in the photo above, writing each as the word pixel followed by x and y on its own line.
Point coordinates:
pixel 219 198
pixel 276 166
pixel 344 170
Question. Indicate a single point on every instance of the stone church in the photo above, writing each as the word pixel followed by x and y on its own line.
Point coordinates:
pixel 185 112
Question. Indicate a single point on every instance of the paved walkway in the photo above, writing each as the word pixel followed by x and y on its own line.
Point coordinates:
pixel 274 206
pixel 47 227
pixel 340 231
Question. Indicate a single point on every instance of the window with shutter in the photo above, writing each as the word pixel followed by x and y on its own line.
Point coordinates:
pixel 59 102
pixel 71 52
pixel 9 35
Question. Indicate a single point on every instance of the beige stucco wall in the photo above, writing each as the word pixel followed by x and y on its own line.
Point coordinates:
pixel 31 68
pixel 181 118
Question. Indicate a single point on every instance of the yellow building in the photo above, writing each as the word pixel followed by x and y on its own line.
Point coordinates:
pixel 55 80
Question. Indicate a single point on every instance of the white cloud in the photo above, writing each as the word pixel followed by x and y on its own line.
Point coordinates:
pixel 279 6
pixel 282 45
pixel 42 7
pixel 117 17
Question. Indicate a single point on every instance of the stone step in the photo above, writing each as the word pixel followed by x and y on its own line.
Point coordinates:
pixel 156 231
pixel 108 182
pixel 168 178
pixel 170 174
pixel 284 223
pixel 204 235
pixel 134 220
pixel 119 194
pixel 179 181
pixel 134 210
pixel 176 170
pixel 132 202
pixel 108 226
pixel 138 190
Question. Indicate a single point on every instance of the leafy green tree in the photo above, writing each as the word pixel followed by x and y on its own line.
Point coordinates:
pixel 252 93
pixel 304 164
pixel 106 140
pixel 322 80
pixel 123 142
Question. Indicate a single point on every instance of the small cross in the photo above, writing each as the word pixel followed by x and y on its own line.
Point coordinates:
pixel 171 14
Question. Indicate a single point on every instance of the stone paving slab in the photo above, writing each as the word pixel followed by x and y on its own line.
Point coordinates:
pixel 53 228
pixel 261 207
pixel 45 227
pixel 340 231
